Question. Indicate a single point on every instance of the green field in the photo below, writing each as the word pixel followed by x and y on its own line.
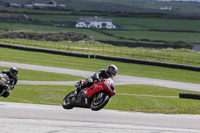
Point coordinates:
pixel 169 30
pixel 133 23
pixel 159 36
pixel 153 31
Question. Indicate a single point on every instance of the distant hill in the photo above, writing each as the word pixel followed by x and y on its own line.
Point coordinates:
pixel 144 6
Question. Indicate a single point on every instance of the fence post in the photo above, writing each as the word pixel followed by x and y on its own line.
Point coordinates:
pixel 26 40
pixel 199 60
pixel 102 47
pixel 114 50
pixel 182 59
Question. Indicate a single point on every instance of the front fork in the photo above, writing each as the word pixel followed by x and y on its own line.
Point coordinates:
pixel 99 97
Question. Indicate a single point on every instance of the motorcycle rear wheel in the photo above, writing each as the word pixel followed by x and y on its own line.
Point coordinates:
pixel 100 103
pixel 67 101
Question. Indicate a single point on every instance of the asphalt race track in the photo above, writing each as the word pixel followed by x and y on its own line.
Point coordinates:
pixel 32 118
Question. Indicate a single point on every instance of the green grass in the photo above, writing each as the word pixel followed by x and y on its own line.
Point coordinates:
pixel 177 56
pixel 155 35
pixel 149 90
pixel 31 27
pixel 140 103
pixel 96 64
pixel 53 95
pixel 133 23
pixel 30 75
pixel 154 104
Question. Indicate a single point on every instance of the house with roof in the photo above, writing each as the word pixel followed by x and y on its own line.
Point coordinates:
pixel 95 22
pixel 51 4
pixel 166 8
pixel 15 5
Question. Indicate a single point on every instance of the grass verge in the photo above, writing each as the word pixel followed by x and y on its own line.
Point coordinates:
pixel 131 69
pixel 170 55
pixel 30 75
pixel 53 95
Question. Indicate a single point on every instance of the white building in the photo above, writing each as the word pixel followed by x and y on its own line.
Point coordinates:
pixel 15 5
pixel 166 8
pixel 95 22
pixel 51 4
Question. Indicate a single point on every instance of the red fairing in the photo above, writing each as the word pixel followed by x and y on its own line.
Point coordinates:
pixel 98 87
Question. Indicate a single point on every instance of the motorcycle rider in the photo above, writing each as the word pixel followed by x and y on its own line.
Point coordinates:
pixel 12 74
pixel 110 72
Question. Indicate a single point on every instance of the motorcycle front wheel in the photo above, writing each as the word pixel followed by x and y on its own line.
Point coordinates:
pixel 98 104
pixel 67 104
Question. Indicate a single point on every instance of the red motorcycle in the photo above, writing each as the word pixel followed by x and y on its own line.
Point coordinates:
pixel 94 97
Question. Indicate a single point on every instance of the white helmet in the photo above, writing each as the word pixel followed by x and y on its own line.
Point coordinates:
pixel 112 70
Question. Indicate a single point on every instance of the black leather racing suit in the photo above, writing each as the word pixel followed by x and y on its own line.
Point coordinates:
pixel 101 74
pixel 13 82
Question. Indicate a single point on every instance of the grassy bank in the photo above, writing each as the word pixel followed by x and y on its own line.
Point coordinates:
pixel 177 56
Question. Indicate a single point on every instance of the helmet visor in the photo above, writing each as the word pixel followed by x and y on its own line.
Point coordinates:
pixel 114 73
pixel 14 74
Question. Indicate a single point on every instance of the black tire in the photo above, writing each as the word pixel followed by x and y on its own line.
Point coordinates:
pixel 2 92
pixel 97 106
pixel 67 101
